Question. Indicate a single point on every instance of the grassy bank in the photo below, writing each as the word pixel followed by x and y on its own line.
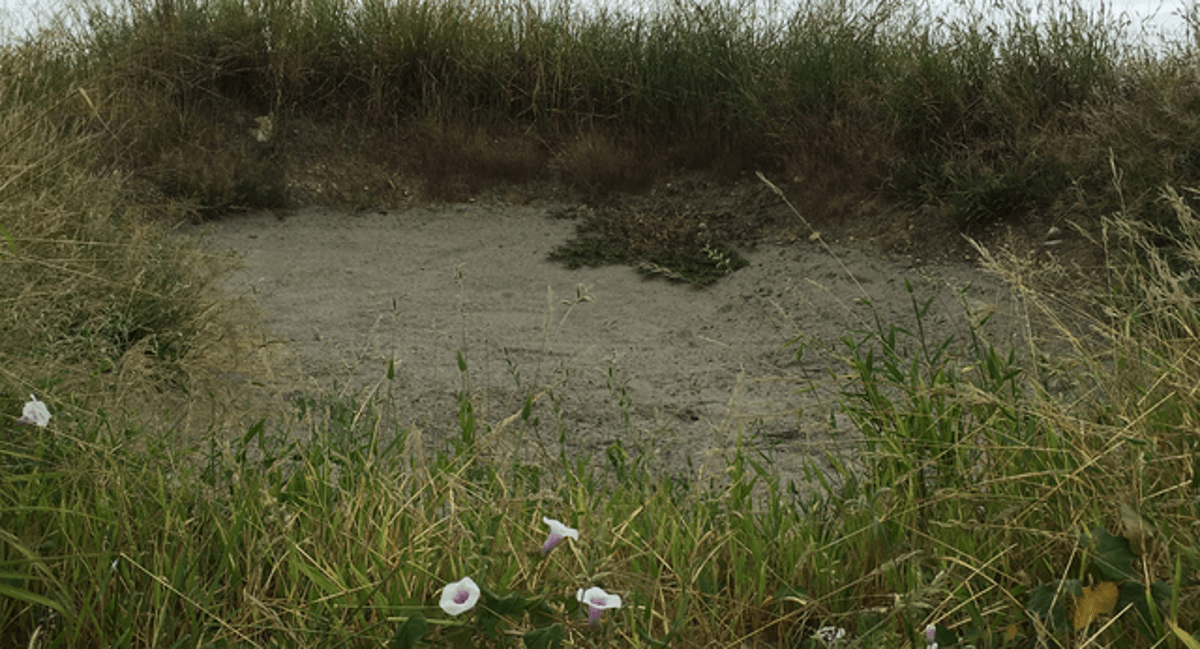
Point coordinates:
pixel 1044 498
pixel 990 117
pixel 1005 514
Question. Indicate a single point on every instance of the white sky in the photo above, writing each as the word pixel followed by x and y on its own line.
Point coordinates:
pixel 1154 15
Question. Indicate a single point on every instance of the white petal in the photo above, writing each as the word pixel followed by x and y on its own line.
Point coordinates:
pixel 830 634
pixel 597 598
pixel 560 529
pixel 35 412
pixel 452 589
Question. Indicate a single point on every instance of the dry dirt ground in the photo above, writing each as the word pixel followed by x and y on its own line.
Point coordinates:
pixel 672 370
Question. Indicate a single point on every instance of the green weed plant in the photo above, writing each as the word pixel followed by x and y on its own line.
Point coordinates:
pixel 980 508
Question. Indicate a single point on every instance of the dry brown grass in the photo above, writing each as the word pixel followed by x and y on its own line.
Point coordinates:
pixel 599 164
pixel 459 159
pixel 99 303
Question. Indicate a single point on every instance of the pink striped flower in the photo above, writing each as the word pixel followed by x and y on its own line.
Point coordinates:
pixel 558 532
pixel 597 601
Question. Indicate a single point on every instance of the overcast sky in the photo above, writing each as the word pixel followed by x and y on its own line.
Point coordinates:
pixel 1156 15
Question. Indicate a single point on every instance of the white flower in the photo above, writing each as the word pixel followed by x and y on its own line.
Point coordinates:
pixel 460 596
pixel 598 601
pixel 558 532
pixel 931 637
pixel 830 634
pixel 35 413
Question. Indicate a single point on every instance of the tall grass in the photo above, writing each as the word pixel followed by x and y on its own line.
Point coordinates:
pixel 849 97
pixel 1038 497
pixel 980 503
pixel 90 281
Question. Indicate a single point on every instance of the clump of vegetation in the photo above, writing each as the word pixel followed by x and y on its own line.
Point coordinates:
pixel 680 247
pixel 465 95
pixel 1041 496
pixel 91 285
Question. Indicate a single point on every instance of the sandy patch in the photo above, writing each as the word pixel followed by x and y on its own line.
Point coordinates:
pixel 690 367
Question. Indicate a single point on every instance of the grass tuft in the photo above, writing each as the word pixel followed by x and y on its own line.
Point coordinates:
pixel 1030 493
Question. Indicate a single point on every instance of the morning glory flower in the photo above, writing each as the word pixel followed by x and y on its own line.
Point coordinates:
pixel 460 596
pixel 35 413
pixel 830 634
pixel 558 532
pixel 597 601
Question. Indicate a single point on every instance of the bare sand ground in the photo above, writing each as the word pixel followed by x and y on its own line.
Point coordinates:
pixel 665 368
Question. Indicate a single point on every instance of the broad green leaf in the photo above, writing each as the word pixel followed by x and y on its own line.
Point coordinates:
pixel 1134 594
pixel 549 637
pixel 409 633
pixel 488 620
pixel 1114 558
pixel 1048 602
pixel 945 636
pixel 511 604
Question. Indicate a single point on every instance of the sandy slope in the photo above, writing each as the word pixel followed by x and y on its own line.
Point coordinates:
pixel 692 366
